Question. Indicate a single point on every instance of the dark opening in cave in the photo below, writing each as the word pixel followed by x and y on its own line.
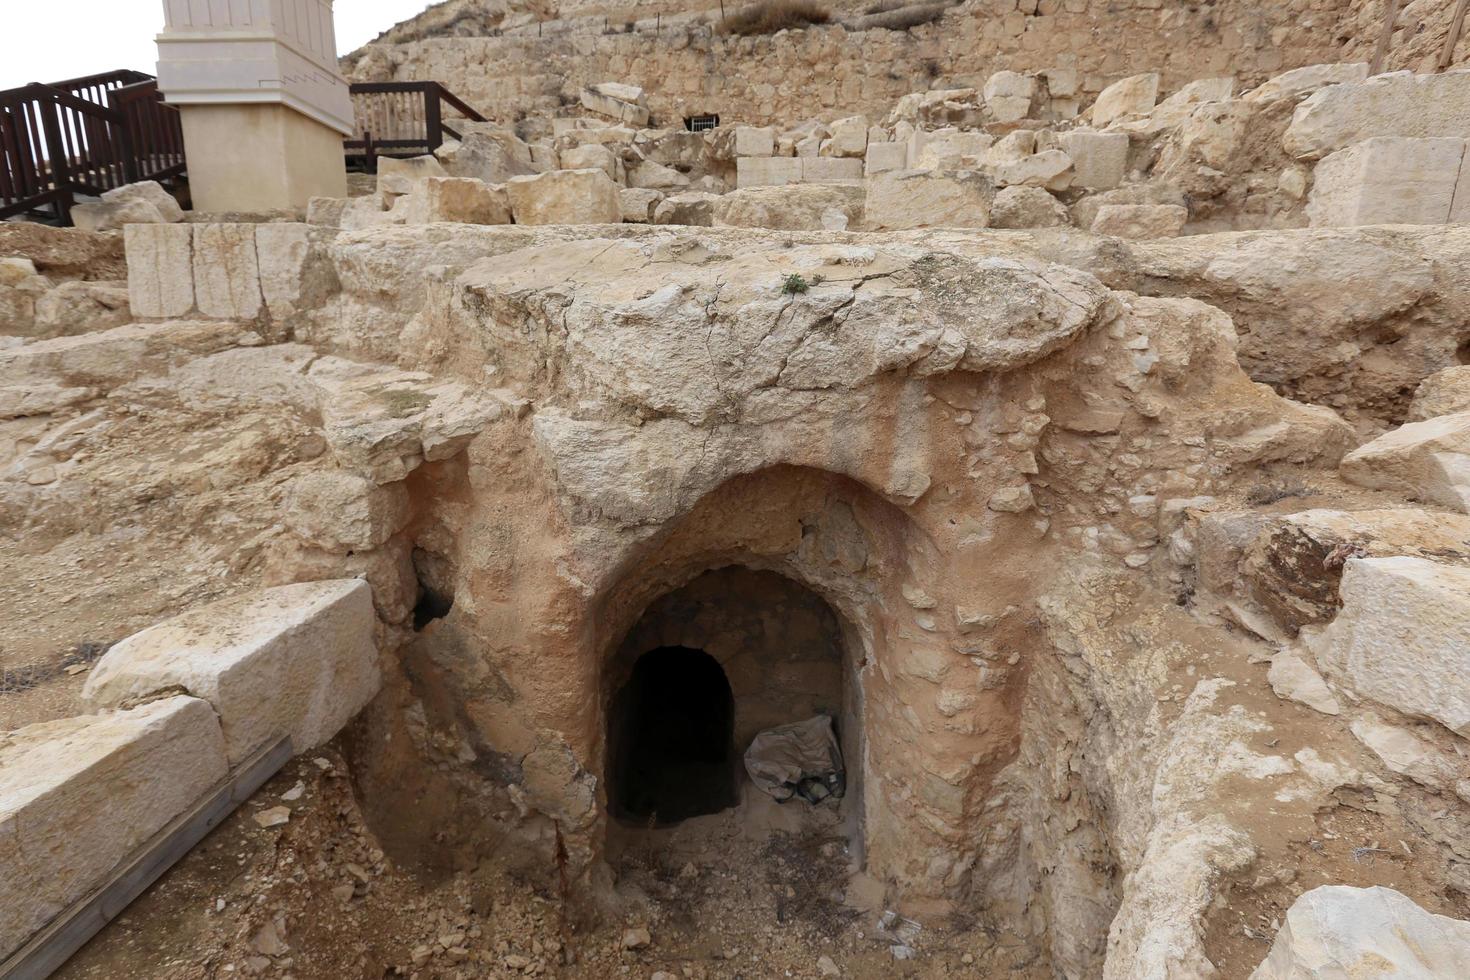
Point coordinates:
pixel 671 739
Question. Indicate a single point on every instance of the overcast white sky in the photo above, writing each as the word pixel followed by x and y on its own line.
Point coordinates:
pixel 51 40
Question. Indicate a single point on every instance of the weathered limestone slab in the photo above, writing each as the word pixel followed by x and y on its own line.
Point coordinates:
pixel 1401 104
pixel 396 176
pixel 281 251
pixel 226 271
pixel 78 795
pixel 1427 461
pixel 637 203
pixel 849 138
pixel 160 269
pixel 616 101
pixel 949 149
pixel 589 156
pixel 796 207
pixel 928 199
pixel 463 200
pixel 564 197
pixel 1300 81
pixel 1099 160
pixel 112 215
pixel 1140 221
pixel 769 171
pixel 1136 93
pixel 831 170
pixel 1402 638
pixel 690 208
pixel 112 357
pixel 1027 207
pixel 1337 931
pixel 294 660
pixel 1051 169
pixel 885 156
pixel 753 141
pixel 1387 180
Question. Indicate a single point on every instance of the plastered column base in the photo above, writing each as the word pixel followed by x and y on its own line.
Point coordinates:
pixel 259 157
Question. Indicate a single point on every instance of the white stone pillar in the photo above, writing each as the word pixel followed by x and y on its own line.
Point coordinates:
pixel 263 105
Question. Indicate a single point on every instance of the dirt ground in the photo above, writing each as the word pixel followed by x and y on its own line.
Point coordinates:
pixel 735 895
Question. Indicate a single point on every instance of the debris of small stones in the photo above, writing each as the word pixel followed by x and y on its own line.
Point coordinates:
pixel 663 975
pixel 357 871
pixel 636 938
pixel 902 952
pixel 967 959
pixel 515 961
pixel 322 764
pixel 274 817
pixel 270 940
pixel 827 968
pixel 294 793
pixel 343 893
pixel 421 955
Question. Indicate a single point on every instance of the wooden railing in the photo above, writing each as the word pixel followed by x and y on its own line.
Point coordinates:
pixel 400 119
pixel 84 136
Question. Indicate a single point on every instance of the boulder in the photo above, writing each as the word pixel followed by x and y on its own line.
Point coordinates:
pixel 1008 96
pixel 745 141
pixel 849 138
pixel 493 156
pixel 647 174
pixel 1334 932
pixel 463 200
pixel 1051 169
pixel 591 156
pixel 637 204
pixel 1294 679
pixel 295 660
pixel 1402 638
pixel 1027 207
pixel 1428 461
pixel 396 177
pixel 564 197
pixel 950 149
pixel 690 208
pixel 78 796
pixel 1387 180
pixel 111 216
pixel 340 511
pixel 1303 81
pixel 151 191
pixel 798 207
pixel 885 156
pixel 1398 104
pixel 80 307
pixel 1134 94
pixel 1442 393
pixel 1140 221
pixel 908 199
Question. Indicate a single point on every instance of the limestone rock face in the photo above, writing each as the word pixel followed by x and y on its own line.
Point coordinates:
pixel 1337 931
pixel 78 795
pixel 342 511
pixel 1397 104
pixel 1305 80
pixel 1403 637
pixel 295 660
pixel 1139 221
pixel 1427 461
pixel 564 197
pixel 928 199
pixel 795 207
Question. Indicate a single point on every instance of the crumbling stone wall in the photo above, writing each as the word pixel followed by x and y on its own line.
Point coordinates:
pixel 830 71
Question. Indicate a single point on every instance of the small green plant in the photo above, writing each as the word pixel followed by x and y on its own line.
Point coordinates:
pixel 794 283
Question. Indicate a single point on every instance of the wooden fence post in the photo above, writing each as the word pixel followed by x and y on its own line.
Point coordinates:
pixel 1456 23
pixel 1390 14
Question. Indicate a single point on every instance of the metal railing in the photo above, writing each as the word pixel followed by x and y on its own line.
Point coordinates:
pixel 84 136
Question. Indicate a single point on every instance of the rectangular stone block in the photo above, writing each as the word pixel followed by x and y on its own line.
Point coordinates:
pixel 77 796
pixel 226 272
pixel 281 250
pixel 160 269
pixel 1099 160
pixel 564 197
pixel 294 660
pixel 1387 180
pixel 769 171
pixel 883 157
pixel 831 170
pixel 754 141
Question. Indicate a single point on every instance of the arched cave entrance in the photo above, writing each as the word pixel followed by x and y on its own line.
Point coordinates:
pixel 671 739
pixel 707 667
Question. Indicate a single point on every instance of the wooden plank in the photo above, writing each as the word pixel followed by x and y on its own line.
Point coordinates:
pixel 1457 22
pixel 70 930
pixel 1390 14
